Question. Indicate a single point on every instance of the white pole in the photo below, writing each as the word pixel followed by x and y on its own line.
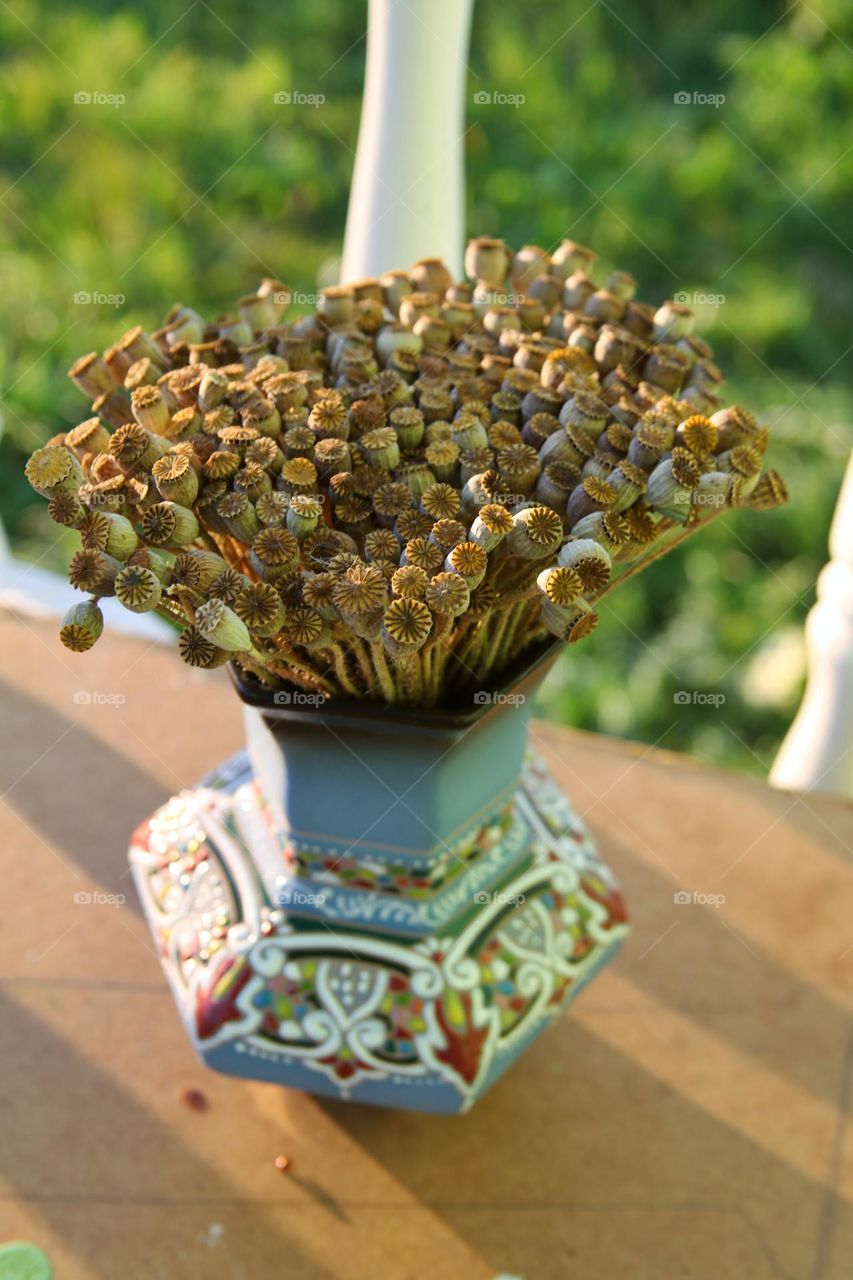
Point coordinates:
pixel 817 754
pixel 407 198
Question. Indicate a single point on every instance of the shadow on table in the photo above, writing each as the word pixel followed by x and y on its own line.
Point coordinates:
pixel 122 1136
pixel 86 813
pixel 582 1146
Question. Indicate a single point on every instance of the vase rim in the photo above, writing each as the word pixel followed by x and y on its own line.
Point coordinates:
pixel 518 676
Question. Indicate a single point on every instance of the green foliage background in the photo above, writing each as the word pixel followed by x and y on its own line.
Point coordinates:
pixel 199 184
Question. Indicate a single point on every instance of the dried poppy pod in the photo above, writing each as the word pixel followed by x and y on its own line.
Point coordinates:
pixel 196 569
pixel 569 256
pixel 168 524
pixel 672 321
pixel 668 493
pixel 219 624
pixel 592 494
pixel 382 545
pixel 628 482
pixel 90 436
pixel 82 626
pixel 536 533
pixel 274 554
pixel 406 625
pixel 560 584
pixel 487 260
pixel 447 594
pixel 491 525
pixel 395 286
pixel 176 479
pixel 91 375
pixel 197 651
pixel 585 411
pixel 422 553
pixel 108 531
pixel 304 513
pixel 260 607
pixel 578 288
pixel 94 572
pixel 54 469
pixel 430 275
pixel 470 560
pixel 138 589
pixel 555 483
pixel 66 509
pixel 590 560
pixel 150 409
pixel 447 533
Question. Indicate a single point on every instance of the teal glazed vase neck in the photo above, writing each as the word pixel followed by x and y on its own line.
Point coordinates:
pixel 377 904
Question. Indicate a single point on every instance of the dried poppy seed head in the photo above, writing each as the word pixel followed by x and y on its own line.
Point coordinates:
pixel 197 651
pixel 300 474
pixel 470 561
pixel 381 447
pixel 447 533
pixel 94 572
pixel 221 464
pixel 176 478
pixel 169 524
pixel 132 447
pixel 685 469
pixel 361 590
pixel 771 491
pixel 271 508
pixel 698 434
pixel 328 417
pixel 275 550
pixel 259 606
pixel 447 593
pixel 66 509
pixel 381 544
pixel 536 532
pixel 138 589
pixel 54 469
pixel 391 500
pixel 407 623
pixel 410 581
pixel 303 514
pixel 561 584
pixel 305 626
pixel 227 586
pixel 423 553
pixel 441 501
pixel 590 561
pixel 219 623
pixel 581 627
pixel 81 626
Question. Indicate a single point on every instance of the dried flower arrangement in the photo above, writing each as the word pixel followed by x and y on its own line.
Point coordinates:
pixel 398 496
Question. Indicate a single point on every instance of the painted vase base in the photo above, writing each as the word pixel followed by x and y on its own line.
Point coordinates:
pixel 372 987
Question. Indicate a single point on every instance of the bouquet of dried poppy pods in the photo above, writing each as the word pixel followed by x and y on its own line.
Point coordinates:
pixel 398 496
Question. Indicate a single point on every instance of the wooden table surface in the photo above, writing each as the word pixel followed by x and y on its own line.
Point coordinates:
pixel 684 1119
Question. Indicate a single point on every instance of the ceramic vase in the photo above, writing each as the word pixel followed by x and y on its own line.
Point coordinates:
pixel 376 904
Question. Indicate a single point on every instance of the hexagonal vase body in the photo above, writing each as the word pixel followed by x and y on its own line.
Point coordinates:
pixel 379 905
